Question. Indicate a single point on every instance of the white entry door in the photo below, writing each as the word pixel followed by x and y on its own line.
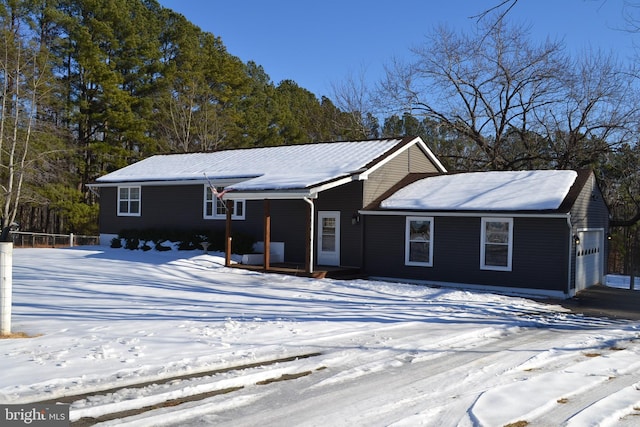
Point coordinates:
pixel 329 238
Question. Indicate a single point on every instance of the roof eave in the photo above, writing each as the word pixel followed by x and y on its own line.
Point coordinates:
pixel 270 195
pixel 292 193
pixel 461 213
pixel 218 182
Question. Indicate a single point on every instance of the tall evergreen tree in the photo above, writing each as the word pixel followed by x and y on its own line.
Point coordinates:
pixel 110 66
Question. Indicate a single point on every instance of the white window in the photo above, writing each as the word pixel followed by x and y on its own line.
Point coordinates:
pixel 419 241
pixel 128 201
pixel 496 244
pixel 216 208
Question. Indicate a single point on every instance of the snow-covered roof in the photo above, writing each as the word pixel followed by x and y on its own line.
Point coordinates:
pixel 268 168
pixel 485 191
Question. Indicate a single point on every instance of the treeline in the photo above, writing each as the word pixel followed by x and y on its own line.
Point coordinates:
pixel 89 86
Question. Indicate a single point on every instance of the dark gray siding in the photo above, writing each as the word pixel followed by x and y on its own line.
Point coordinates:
pixel 107 220
pixel 181 207
pixel 173 207
pixel 178 207
pixel 289 225
pixel 540 252
pixel 289 222
pixel 347 199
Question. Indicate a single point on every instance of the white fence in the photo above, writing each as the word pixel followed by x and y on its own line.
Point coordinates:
pixel 25 239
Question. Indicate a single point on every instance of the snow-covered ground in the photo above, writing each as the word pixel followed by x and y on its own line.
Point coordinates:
pixel 372 353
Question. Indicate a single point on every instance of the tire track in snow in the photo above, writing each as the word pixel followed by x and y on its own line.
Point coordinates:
pixel 438 390
pixel 364 399
pixel 435 381
pixel 560 387
pixel 133 399
pixel 574 409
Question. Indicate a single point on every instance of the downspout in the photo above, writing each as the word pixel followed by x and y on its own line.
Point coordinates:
pixel 311 225
pixel 570 257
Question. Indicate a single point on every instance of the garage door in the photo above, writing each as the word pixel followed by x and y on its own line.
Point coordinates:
pixel 589 258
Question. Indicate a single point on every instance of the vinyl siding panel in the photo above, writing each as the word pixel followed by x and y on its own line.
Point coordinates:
pixel 289 222
pixel 289 225
pixel 419 162
pixel 348 200
pixel 107 221
pixel 177 207
pixel 589 209
pixel 385 177
pixel 181 207
pixel 171 207
pixel 540 252
pixel 411 160
pixel 589 212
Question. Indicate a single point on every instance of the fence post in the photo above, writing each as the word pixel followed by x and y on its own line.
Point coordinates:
pixel 6 285
pixel 71 239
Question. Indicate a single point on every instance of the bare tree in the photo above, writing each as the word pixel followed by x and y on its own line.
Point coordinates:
pixel 483 87
pixel 522 105
pixel 23 77
pixel 501 8
pixel 354 96
pixel 597 114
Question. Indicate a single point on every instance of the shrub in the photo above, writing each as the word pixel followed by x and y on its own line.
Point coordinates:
pixel 185 240
pixel 132 243
pixel 161 248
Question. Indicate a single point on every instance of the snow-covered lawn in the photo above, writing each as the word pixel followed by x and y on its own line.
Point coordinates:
pixel 380 353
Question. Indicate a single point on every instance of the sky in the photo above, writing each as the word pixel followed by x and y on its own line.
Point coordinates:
pixel 319 44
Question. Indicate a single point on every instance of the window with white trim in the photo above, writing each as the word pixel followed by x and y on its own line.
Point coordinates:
pixel 216 208
pixel 419 241
pixel 129 201
pixel 496 244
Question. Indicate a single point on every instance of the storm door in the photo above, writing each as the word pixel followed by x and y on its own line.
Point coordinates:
pixel 328 238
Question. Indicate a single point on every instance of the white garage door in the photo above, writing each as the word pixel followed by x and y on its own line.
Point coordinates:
pixel 589 258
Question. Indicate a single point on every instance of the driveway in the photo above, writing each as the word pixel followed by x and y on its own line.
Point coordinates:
pixel 604 301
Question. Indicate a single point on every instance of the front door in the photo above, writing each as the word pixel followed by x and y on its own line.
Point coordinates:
pixel 329 238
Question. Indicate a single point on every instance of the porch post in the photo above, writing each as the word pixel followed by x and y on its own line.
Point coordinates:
pixel 267 233
pixel 227 240
pixel 309 238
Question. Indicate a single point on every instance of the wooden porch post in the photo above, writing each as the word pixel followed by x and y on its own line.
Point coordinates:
pixel 227 254
pixel 267 233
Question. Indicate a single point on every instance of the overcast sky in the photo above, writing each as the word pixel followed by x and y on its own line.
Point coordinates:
pixel 320 43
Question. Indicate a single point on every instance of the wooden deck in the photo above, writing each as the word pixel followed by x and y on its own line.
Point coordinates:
pixel 319 272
